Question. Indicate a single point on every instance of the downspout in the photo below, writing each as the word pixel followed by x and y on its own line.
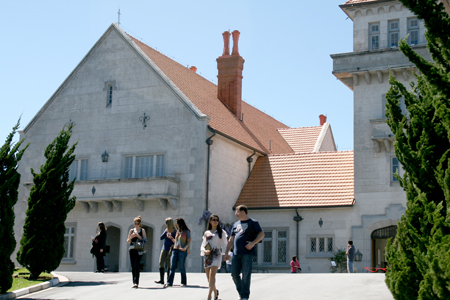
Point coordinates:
pixel 297 219
pixel 249 160
pixel 208 141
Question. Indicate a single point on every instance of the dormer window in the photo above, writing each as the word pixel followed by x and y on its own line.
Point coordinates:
pixel 374 36
pixel 393 33
pixel 110 86
pixel 413 31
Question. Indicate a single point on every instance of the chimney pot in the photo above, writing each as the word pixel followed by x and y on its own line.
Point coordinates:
pixel 235 42
pixel 323 119
pixel 226 43
pixel 193 69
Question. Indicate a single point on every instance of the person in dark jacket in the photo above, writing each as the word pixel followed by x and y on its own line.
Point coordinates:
pixel 99 243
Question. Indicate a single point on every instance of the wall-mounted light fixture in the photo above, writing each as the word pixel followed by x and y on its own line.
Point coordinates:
pixel 105 157
pixel 320 222
pixel 358 256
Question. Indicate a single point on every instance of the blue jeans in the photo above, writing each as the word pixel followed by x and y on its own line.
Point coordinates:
pixel 242 264
pixel 178 259
pixel 350 266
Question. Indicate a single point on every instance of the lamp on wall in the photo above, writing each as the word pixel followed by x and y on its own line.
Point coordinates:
pixel 320 222
pixel 358 256
pixel 105 157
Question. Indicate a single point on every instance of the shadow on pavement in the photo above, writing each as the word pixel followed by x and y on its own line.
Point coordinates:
pixel 89 283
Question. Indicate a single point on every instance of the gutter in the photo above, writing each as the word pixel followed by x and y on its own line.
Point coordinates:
pixel 239 142
pixel 300 207
pixel 208 141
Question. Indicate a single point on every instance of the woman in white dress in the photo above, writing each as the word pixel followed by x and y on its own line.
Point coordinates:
pixel 213 247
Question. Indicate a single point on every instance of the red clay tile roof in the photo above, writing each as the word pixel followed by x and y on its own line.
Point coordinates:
pixel 258 130
pixel 358 1
pixel 317 179
pixel 302 139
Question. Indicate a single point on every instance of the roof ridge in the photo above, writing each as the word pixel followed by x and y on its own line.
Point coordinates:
pixel 173 59
pixel 310 153
pixel 299 127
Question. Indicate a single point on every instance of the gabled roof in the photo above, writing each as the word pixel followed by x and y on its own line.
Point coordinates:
pixel 319 179
pixel 302 139
pixel 258 130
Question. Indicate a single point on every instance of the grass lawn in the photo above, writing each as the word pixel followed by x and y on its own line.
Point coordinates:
pixel 22 281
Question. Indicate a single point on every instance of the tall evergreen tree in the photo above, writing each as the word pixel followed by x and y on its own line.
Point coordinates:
pixel 10 156
pixel 419 255
pixel 42 243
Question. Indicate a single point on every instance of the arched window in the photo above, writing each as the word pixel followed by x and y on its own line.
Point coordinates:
pixel 384 233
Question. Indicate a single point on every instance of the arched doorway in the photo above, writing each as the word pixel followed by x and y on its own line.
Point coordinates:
pixel 146 261
pixel 113 241
pixel 379 242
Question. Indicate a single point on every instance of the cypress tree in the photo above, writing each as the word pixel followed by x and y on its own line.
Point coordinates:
pixel 419 255
pixel 42 243
pixel 10 156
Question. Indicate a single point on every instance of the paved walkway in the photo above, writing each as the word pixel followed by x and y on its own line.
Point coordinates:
pixel 86 286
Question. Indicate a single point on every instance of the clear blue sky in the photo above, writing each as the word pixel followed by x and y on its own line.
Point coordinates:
pixel 286 46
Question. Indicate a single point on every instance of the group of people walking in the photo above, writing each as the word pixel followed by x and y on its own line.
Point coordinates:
pixel 215 247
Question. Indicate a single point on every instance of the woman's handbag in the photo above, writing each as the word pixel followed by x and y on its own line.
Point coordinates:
pixel 139 245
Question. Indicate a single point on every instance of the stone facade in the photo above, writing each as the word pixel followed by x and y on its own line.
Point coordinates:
pixel 173 134
pixel 379 200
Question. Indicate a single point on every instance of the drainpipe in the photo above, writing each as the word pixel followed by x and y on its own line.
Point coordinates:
pixel 297 219
pixel 208 141
pixel 250 159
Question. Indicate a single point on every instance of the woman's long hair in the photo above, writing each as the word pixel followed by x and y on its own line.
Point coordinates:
pixel 219 229
pixel 170 225
pixel 182 225
pixel 102 226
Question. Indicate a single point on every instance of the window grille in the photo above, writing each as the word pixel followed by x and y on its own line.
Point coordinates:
pixel 330 244
pixel 313 245
pixel 110 94
pixel 321 244
pixel 384 233
pixel 267 251
pixel 274 248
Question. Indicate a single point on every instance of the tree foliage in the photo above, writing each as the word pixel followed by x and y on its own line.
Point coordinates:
pixel 10 156
pixel 419 255
pixel 340 258
pixel 42 243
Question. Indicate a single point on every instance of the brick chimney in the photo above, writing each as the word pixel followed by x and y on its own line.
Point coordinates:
pixel 323 119
pixel 229 86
